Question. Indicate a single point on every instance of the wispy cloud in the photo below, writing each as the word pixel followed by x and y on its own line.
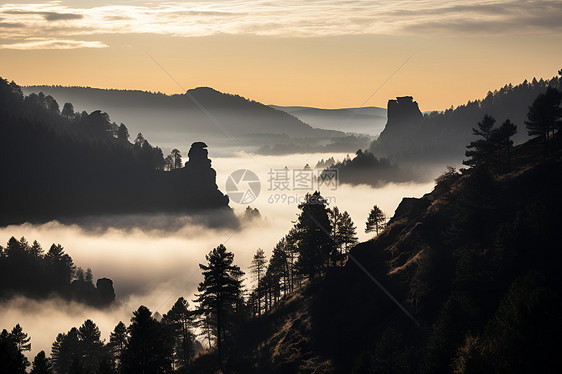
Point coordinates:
pixel 8 25
pixel 53 44
pixel 287 18
pixel 48 16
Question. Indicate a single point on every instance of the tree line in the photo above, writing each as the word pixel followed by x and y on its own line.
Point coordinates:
pixel 27 270
pixel 147 345
pixel 493 149
pixel 443 134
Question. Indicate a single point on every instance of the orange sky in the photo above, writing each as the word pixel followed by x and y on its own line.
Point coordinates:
pixel 324 64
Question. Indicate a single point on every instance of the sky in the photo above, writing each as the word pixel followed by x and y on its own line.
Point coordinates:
pixel 322 53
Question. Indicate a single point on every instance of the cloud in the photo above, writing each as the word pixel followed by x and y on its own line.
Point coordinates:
pixel 8 25
pixel 313 18
pixel 49 16
pixel 54 44
pixel 54 16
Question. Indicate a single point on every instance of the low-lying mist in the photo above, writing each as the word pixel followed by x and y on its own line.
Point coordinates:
pixel 153 265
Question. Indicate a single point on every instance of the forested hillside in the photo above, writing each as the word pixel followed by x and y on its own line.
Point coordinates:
pixel 62 164
pixel 28 270
pixel 475 262
pixel 414 145
pixel 441 136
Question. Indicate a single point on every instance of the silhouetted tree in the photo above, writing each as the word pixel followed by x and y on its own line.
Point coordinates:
pixel 258 268
pixel 80 350
pixel 480 151
pixel 502 137
pixel 21 339
pixel 51 104
pixel 92 350
pixel 41 364
pixel 176 157
pixel 65 351
pixel 88 276
pixel 11 359
pixel 545 115
pixel 279 266
pixel 150 348
pixel 219 293
pixel 348 232
pixel 36 250
pixel 118 340
pixel 68 111
pixel 312 232
pixel 375 221
pixel 180 319
pixel 123 133
pixel 251 213
pixel 61 264
pixel 344 233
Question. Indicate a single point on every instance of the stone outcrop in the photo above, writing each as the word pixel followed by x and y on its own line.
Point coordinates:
pixel 402 129
pixel 198 156
pixel 403 113
pixel 195 185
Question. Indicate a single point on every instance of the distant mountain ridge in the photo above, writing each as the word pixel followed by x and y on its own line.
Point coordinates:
pixel 203 113
pixel 363 120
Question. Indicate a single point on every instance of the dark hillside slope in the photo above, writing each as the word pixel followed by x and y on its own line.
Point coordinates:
pixel 479 253
pixel 475 265
pixel 57 166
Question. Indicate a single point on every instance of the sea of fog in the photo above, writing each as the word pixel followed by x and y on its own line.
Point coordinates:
pixel 153 266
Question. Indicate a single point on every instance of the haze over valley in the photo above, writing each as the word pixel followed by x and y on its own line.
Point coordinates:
pixel 245 187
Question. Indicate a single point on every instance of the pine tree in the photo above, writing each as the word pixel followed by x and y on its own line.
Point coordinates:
pixel 123 133
pixel 375 221
pixel 61 264
pixel 11 359
pixel 65 351
pixel 150 348
pixel 279 266
pixel 67 110
pixel 313 235
pixel 502 138
pixel 219 293
pixel 118 341
pixel 545 116
pixel 258 269
pixel 21 339
pixel 176 157
pixel 92 350
pixel 180 319
pixel 344 233
pixel 42 364
pixel 480 150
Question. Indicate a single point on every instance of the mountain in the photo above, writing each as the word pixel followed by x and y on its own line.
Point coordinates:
pixel 440 137
pixel 463 280
pixel 221 120
pixel 71 165
pixel 366 120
